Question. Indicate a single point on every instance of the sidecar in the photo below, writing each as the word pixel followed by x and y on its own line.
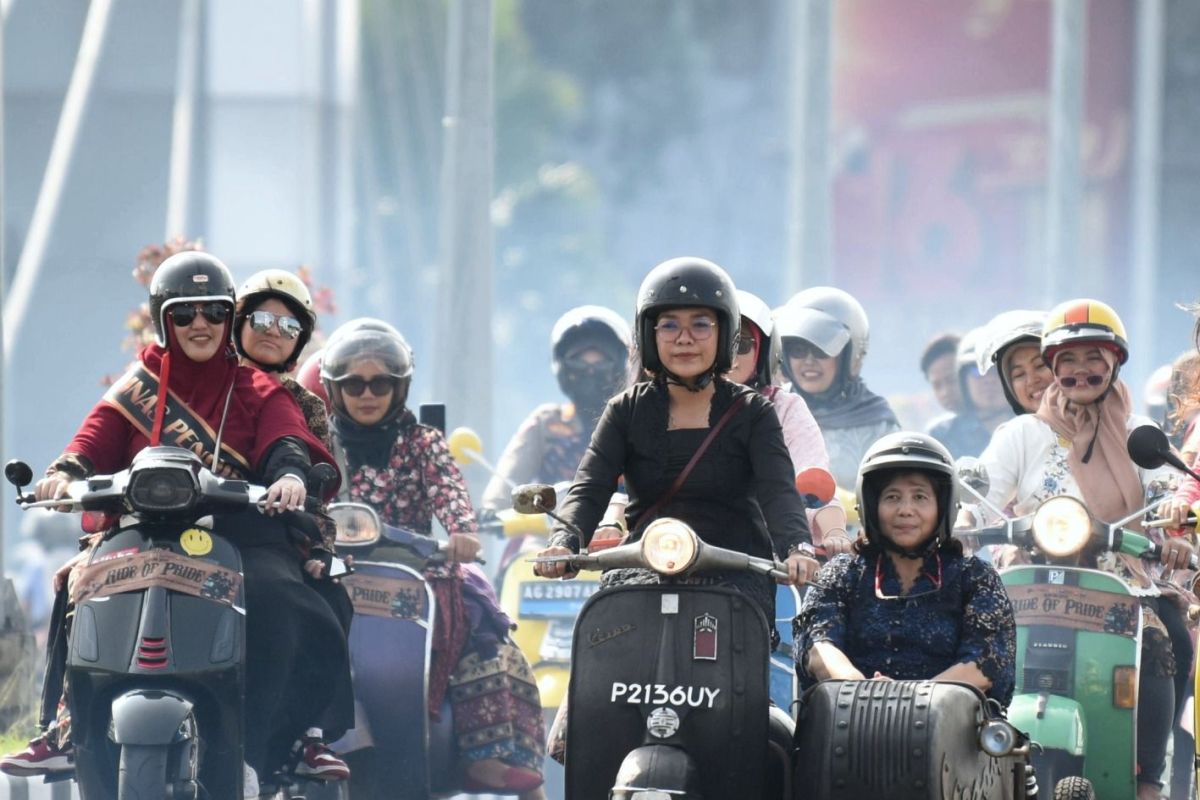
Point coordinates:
pixel 906 740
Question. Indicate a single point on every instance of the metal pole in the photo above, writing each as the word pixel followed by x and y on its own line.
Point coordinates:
pixel 5 383
pixel 809 228
pixel 62 151
pixel 464 322
pixel 1147 171
pixel 1064 189
pixel 187 79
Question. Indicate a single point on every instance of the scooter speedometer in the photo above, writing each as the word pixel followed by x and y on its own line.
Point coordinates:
pixel 669 546
pixel 1062 526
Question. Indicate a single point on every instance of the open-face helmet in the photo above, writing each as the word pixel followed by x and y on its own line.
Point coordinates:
pixel 688 282
pixel 905 451
pixel 291 291
pixel 188 277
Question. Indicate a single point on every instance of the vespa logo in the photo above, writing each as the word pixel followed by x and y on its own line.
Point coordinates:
pixel 704 638
pixel 600 637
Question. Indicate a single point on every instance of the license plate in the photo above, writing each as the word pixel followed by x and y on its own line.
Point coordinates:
pixel 555 599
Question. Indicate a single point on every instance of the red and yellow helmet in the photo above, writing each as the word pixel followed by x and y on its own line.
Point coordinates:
pixel 1083 321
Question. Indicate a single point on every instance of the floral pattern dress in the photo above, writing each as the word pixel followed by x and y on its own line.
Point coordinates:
pixel 912 636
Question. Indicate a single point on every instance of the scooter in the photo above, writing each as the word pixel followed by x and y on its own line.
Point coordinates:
pixel 156 659
pixel 1079 633
pixel 669 689
pixel 395 749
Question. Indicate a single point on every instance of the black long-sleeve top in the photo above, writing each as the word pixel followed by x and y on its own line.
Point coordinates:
pixel 740 495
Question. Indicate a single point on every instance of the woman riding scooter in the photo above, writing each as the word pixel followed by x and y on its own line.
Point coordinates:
pixel 1075 445
pixel 294 641
pixel 404 471
pixel 908 605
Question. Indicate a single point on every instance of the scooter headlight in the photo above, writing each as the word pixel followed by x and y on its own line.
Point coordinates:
pixel 1062 526
pixel 997 738
pixel 669 546
pixel 162 490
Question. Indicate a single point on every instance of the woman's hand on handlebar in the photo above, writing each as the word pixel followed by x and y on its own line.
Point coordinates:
pixel 837 542
pixel 558 570
pixel 800 568
pixel 463 547
pixel 288 492
pixel 53 487
pixel 1178 511
pixel 1176 554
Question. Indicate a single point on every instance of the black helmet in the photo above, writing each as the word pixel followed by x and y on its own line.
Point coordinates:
pixel 187 277
pixel 367 339
pixel 693 283
pixel 590 386
pixel 290 290
pixel 905 451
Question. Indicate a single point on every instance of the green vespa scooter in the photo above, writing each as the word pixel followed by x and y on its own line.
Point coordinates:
pixel 1079 634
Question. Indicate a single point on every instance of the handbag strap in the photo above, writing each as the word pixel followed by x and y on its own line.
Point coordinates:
pixel 650 513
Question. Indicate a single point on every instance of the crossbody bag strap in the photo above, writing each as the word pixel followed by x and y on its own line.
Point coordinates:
pixel 650 513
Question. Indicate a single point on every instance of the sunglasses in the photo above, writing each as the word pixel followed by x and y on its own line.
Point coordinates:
pixel 800 350
pixel 185 313
pixel 380 385
pixel 262 321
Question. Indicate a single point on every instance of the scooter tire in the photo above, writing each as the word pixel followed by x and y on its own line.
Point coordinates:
pixel 142 773
pixel 1074 788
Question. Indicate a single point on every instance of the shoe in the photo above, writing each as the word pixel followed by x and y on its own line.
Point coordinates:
pixel 249 781
pixel 40 757
pixel 318 762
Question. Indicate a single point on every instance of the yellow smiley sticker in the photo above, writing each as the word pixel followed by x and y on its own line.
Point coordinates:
pixel 195 542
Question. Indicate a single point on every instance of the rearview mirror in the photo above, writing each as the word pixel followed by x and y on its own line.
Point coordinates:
pixel 1149 448
pixel 357 524
pixel 465 445
pixel 534 498
pixel 973 473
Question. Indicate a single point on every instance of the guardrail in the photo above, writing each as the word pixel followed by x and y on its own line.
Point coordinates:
pixel 13 788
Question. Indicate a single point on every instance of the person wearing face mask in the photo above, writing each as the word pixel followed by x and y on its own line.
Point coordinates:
pixel 984 403
pixel 264 439
pixel 589 348
pixel 907 604
pixel 825 334
pixel 405 472
pixel 756 365
pixel 1075 445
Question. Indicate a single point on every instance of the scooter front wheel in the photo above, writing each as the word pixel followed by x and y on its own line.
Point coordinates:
pixel 143 773
pixel 1074 788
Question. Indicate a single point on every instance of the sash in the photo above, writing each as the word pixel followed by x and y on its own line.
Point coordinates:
pixel 135 395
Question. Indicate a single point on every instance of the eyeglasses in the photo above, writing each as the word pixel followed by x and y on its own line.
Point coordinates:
pixel 801 350
pixel 935 579
pixel 354 386
pixel 700 329
pixel 185 313
pixel 261 322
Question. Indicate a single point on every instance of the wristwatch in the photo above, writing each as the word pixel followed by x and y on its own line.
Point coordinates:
pixel 804 549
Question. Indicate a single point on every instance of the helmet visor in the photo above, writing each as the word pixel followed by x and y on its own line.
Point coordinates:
pixel 823 330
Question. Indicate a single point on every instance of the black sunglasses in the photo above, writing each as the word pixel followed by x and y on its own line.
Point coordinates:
pixel 380 385
pixel 185 313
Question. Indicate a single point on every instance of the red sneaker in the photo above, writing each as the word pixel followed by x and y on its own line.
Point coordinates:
pixel 40 757
pixel 318 762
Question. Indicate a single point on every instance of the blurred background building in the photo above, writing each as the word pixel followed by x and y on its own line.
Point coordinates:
pixel 312 132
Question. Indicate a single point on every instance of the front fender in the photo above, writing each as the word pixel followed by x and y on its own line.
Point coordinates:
pixel 146 717
pixel 657 767
pixel 1058 727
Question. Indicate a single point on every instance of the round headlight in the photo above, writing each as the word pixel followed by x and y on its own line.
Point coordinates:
pixel 1062 526
pixel 669 546
pixel 162 490
pixel 997 738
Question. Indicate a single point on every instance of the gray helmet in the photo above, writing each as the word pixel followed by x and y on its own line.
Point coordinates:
pixel 830 319
pixel 754 309
pixel 367 339
pixel 905 451
pixel 192 276
pixel 687 282
pixel 1003 332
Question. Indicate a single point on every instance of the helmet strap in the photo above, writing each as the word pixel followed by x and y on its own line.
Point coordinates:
pixel 696 386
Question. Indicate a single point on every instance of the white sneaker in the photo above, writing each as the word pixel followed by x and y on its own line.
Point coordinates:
pixel 249 781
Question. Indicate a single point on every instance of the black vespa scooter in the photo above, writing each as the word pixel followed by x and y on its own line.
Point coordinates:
pixel 669 691
pixel 156 657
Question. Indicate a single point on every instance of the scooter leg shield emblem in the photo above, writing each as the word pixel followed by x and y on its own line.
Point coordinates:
pixel 704 638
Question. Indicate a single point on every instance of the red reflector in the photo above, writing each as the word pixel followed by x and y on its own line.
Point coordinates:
pixel 97 521
pixel 152 653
